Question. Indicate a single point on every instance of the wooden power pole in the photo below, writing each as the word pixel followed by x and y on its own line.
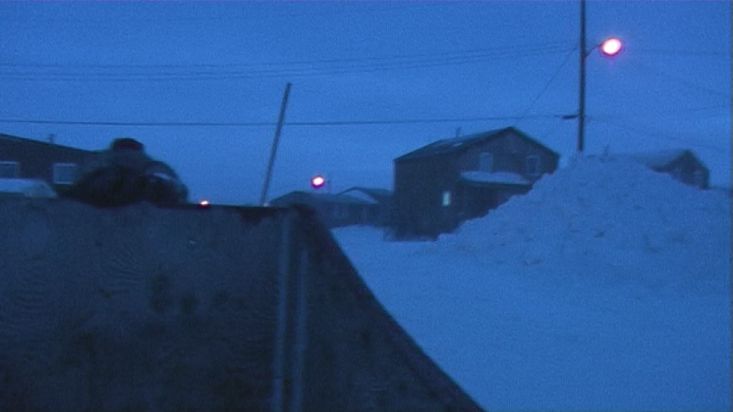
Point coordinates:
pixel 581 88
pixel 275 142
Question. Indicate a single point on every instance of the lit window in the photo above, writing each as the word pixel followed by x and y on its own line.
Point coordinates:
pixel 486 162
pixel 9 169
pixel 446 198
pixel 64 173
pixel 533 165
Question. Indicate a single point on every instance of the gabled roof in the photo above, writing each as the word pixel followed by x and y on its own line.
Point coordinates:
pixel 300 196
pixel 4 136
pixel 371 194
pixel 662 158
pixel 457 144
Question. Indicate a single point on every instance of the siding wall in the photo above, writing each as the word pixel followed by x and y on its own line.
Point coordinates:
pixel 36 158
pixel 420 183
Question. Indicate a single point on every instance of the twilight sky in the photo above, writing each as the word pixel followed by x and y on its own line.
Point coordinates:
pixel 200 83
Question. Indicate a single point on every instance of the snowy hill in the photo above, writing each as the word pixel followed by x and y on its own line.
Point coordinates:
pixel 604 288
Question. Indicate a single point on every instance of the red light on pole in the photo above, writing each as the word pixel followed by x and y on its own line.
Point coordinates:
pixel 611 46
pixel 318 181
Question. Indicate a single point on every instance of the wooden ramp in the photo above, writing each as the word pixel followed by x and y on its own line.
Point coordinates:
pixel 186 309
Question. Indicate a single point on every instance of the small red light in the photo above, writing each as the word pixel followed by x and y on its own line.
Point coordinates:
pixel 318 181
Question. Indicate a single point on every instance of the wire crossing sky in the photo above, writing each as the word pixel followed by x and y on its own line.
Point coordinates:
pixel 200 83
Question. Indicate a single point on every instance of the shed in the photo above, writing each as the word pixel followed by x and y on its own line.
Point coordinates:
pixel 380 203
pixel 333 210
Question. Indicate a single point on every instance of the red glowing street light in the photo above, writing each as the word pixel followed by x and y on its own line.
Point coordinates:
pixel 318 181
pixel 611 46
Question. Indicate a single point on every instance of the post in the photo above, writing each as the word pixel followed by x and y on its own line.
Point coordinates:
pixel 581 97
pixel 275 142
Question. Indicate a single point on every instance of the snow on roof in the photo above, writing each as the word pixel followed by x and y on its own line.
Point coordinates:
pixel 26 187
pixel 655 159
pixel 359 195
pixel 368 194
pixel 455 144
pixel 313 197
pixel 658 159
pixel 505 178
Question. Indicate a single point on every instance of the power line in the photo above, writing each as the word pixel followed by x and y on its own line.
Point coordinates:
pixel 295 70
pixel 662 136
pixel 366 122
pixel 671 52
pixel 546 86
pixel 679 80
pixel 677 112
pixel 458 53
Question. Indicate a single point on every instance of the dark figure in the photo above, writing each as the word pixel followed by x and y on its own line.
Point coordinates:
pixel 124 174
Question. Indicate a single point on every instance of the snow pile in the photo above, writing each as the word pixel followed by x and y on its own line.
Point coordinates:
pixel 606 287
pixel 609 218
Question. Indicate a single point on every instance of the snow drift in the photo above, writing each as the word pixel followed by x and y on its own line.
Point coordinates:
pixel 606 287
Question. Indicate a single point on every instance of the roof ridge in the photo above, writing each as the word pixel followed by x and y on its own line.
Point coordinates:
pixel 41 142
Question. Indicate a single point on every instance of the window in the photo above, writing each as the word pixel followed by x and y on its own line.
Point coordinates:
pixel 486 162
pixel 446 198
pixel 64 173
pixel 533 165
pixel 9 168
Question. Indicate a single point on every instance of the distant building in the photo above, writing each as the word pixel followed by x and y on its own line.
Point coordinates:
pixel 380 204
pixel 681 164
pixel 58 165
pixel 334 210
pixel 440 185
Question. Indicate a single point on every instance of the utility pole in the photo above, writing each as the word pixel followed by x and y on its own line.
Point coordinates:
pixel 581 97
pixel 275 142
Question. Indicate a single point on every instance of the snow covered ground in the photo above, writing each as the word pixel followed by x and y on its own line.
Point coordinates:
pixel 607 287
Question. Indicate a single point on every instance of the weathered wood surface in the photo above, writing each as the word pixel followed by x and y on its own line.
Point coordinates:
pixel 221 309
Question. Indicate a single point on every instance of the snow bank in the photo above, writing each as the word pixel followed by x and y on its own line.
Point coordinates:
pixel 604 288
pixel 613 218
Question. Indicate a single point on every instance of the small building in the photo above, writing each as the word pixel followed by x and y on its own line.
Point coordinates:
pixel 380 204
pixel 439 186
pixel 58 165
pixel 334 210
pixel 681 164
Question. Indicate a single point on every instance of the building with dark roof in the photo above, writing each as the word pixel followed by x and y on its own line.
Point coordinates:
pixel 380 204
pixel 34 159
pixel 333 210
pixel 681 164
pixel 440 185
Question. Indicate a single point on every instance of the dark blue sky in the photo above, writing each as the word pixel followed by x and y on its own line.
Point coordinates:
pixel 507 63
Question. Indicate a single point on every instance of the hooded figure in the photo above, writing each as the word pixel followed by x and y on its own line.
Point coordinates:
pixel 125 174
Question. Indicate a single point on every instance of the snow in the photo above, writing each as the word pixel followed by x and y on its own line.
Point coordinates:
pixel 495 177
pixel 657 159
pixel 26 187
pixel 359 195
pixel 606 287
